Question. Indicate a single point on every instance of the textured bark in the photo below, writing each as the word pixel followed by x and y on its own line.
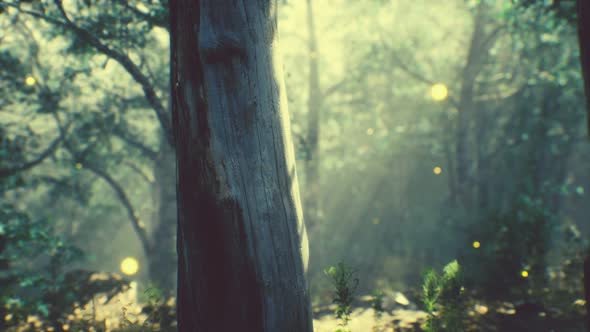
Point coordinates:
pixel 162 258
pixel 312 162
pixel 241 236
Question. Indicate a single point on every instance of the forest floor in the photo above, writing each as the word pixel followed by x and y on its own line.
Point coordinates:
pixel 399 315
pixel 363 319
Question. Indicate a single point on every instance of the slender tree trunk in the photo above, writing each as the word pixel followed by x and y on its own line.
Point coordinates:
pixel 466 108
pixel 241 240
pixel 478 49
pixel 162 259
pixel 312 162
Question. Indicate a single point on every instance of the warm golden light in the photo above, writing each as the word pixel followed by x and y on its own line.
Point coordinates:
pixel 439 92
pixel 30 81
pixel 129 266
pixel 524 273
pixel 481 309
pixel 437 170
pixel 476 244
pixel 78 166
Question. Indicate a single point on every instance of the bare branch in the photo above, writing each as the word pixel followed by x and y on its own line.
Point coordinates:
pixel 417 76
pixel 121 58
pixel 148 153
pixel 139 171
pixel 135 222
pixel 334 88
pixel 129 65
pixel 147 17
pixel 118 189
pixel 6 172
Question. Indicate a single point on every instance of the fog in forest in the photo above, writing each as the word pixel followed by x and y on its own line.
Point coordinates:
pixel 441 151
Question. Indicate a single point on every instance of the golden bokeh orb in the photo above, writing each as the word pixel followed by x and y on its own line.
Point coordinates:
pixel 476 244
pixel 439 92
pixel 524 273
pixel 437 170
pixel 129 266
pixel 30 80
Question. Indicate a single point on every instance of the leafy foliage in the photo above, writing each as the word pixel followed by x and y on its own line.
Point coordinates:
pixel 341 277
pixel 48 287
pixel 513 256
pixel 444 300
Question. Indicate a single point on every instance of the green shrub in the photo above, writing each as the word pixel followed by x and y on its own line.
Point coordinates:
pixel 512 259
pixel 443 299
pixel 341 277
pixel 36 279
pixel 377 305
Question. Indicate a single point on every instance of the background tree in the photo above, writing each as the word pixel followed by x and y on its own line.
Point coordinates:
pixel 120 32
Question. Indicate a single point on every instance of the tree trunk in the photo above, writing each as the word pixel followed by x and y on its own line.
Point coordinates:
pixel 242 247
pixel 479 45
pixel 162 258
pixel 312 162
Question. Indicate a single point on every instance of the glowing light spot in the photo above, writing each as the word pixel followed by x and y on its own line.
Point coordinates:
pixel 580 302
pixel 30 81
pixel 8 317
pixel 401 299
pixel 129 266
pixel 437 170
pixel 481 309
pixel 370 131
pixel 476 244
pixel 78 166
pixel 65 327
pixel 580 190
pixel 439 92
pixel 524 274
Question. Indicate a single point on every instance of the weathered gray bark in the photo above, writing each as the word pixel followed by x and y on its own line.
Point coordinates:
pixel 312 162
pixel 241 238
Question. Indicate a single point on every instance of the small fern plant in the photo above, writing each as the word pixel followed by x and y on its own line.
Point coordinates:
pixel 341 277
pixel 377 305
pixel 443 299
